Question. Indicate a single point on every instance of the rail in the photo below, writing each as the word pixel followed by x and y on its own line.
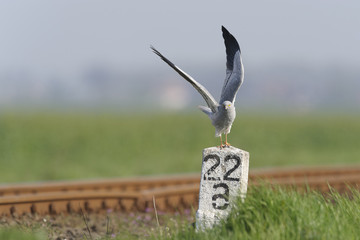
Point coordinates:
pixel 171 193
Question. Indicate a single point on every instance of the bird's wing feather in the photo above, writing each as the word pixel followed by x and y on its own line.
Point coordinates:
pixel 234 68
pixel 209 99
pixel 205 110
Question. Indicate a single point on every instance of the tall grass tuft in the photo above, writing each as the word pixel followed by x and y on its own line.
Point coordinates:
pixel 277 213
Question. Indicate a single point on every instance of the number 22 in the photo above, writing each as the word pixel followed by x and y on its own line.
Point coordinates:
pixel 217 163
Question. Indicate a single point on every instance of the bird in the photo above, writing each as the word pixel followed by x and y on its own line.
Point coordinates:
pixel 222 113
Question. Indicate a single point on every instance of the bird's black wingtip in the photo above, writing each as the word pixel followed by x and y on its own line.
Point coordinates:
pixel 155 51
pixel 224 30
pixel 229 38
pixel 152 48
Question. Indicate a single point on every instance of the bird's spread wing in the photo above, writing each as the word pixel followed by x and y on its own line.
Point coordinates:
pixel 211 102
pixel 234 68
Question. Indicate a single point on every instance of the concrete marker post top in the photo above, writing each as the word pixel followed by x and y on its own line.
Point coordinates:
pixel 224 177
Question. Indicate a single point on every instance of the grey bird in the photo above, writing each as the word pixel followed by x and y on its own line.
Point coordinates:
pixel 222 113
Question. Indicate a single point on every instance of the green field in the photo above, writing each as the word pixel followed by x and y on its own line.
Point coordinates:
pixel 40 146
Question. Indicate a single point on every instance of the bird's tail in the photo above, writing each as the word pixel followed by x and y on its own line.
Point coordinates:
pixel 206 110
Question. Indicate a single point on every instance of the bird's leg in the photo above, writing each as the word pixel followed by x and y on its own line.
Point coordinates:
pixel 226 142
pixel 221 144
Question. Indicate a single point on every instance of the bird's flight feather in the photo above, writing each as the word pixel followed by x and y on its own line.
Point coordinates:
pixel 209 99
pixel 234 68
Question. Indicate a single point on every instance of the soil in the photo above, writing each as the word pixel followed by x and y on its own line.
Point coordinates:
pixel 106 225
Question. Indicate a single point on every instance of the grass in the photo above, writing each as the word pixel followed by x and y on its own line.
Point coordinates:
pixel 14 233
pixel 36 147
pixel 266 213
pixel 282 214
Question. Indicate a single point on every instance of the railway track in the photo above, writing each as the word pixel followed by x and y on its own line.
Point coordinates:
pixel 171 193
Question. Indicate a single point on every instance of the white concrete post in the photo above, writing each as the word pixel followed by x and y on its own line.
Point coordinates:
pixel 224 177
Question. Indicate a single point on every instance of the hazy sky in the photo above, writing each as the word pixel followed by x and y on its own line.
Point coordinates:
pixel 64 37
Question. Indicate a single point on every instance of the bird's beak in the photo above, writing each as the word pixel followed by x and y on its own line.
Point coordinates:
pixel 227 106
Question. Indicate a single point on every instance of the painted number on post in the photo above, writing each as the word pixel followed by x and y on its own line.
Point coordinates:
pixel 222 188
pixel 224 196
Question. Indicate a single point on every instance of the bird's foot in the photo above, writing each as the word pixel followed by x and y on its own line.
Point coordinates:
pixel 225 145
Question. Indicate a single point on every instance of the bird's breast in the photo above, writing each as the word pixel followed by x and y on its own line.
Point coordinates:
pixel 224 118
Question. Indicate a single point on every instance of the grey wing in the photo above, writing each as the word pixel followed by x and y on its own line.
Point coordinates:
pixel 234 68
pixel 209 99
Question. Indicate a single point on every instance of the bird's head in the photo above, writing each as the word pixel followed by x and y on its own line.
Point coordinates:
pixel 227 104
